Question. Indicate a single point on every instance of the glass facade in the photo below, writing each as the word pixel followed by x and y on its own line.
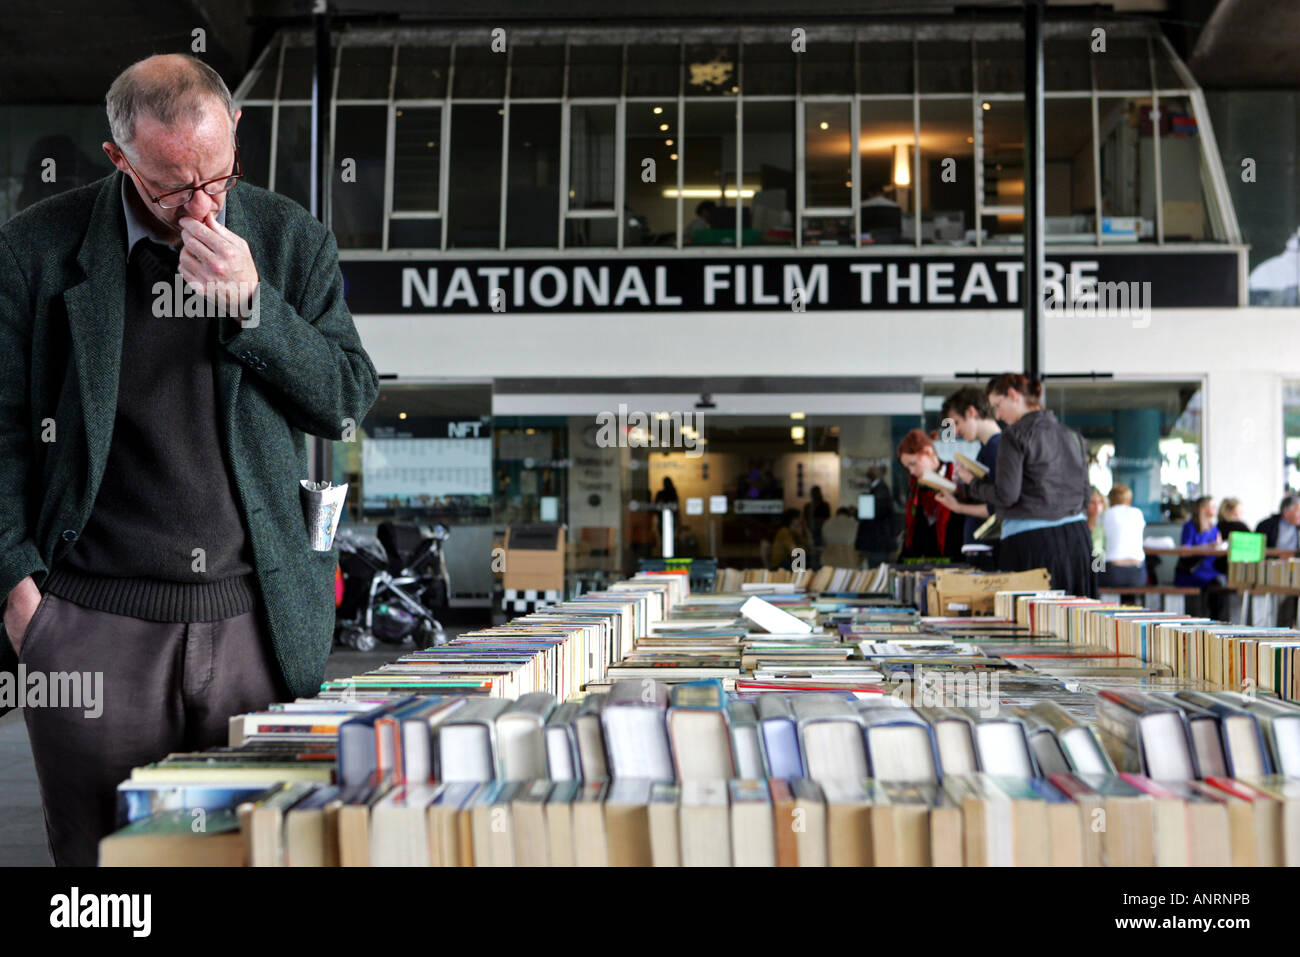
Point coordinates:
pixel 627 139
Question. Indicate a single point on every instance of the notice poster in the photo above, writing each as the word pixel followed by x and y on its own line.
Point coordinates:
pixel 412 471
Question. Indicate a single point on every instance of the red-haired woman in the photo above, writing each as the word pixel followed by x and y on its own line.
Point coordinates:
pixel 1040 489
pixel 930 529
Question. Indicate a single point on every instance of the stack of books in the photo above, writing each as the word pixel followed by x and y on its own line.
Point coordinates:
pixel 825 579
pixel 1250 659
pixel 1281 573
pixel 692 775
pixel 899 738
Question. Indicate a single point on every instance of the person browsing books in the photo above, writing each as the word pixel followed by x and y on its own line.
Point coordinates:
pixel 1040 489
pixel 930 529
pixel 972 417
pixel 1123 527
pixel 164 551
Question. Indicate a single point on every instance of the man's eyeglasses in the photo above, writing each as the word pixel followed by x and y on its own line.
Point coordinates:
pixel 179 197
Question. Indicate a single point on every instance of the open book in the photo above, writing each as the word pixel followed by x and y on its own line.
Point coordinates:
pixel 937 481
pixel 970 465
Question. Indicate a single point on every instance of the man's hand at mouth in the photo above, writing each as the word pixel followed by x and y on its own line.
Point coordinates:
pixel 216 260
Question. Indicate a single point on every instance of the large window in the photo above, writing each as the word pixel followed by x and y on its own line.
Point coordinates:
pixel 622 139
pixel 768 148
pixel 474 202
pixel 1127 157
pixel 651 156
pixel 1001 131
pixel 887 145
pixel 593 180
pixel 828 173
pixel 947 178
pixel 533 179
pixel 711 191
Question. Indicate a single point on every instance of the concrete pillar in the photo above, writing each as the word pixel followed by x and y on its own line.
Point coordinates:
pixel 1137 457
pixel 1243 453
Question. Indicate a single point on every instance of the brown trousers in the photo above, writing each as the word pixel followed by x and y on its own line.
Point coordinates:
pixel 165 687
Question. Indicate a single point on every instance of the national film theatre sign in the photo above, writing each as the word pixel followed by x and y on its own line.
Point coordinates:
pixel 772 283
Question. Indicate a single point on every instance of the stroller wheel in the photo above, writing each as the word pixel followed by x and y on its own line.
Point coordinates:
pixel 426 635
pixel 357 638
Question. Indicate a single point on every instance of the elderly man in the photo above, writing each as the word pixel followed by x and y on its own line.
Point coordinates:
pixel 150 526
pixel 1280 530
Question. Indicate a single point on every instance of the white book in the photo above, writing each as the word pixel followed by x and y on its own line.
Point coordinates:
pixel 771 618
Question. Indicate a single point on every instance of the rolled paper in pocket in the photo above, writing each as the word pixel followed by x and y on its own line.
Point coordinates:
pixel 322 506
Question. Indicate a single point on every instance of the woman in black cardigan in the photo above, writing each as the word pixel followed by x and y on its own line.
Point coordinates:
pixel 1040 489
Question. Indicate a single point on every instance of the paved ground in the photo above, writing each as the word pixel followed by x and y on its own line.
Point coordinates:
pixel 22 826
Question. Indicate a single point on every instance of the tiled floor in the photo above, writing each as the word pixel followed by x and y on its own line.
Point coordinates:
pixel 22 826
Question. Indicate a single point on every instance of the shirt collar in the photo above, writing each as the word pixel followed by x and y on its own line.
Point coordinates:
pixel 138 228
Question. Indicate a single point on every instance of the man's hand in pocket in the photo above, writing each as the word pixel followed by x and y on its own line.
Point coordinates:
pixel 19 610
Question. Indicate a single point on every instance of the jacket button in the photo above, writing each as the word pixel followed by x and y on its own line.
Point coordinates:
pixel 69 534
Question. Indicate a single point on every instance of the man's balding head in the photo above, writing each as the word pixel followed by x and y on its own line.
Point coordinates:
pixel 173 126
pixel 172 89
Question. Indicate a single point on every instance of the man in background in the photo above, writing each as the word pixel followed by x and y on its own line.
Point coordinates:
pixel 876 534
pixel 1282 530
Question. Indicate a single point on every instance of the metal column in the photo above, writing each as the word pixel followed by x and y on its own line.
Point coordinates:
pixel 1034 259
pixel 320 141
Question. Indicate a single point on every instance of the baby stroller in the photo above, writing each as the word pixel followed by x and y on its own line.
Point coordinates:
pixel 392 586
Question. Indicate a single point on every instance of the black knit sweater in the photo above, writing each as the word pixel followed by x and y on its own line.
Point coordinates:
pixel 165 541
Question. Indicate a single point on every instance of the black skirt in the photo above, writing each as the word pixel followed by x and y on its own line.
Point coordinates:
pixel 1064 550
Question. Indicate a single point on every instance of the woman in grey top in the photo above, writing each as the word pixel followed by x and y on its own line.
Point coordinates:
pixel 1040 489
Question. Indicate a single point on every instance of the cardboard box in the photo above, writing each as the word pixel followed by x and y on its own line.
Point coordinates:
pixel 534 558
pixel 955 593
pixel 592 549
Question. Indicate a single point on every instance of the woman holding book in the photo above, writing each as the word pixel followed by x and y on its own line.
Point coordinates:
pixel 930 529
pixel 972 418
pixel 1040 489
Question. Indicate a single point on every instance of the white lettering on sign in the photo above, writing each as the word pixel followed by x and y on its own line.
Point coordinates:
pixel 920 282
pixel 865 272
pixel 461 430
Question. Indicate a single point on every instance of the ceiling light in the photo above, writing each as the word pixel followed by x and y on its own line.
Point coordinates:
pixel 902 168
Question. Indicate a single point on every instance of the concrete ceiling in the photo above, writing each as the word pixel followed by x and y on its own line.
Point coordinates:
pixel 1249 44
pixel 68 51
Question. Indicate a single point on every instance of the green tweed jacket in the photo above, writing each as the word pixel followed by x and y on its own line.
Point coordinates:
pixel 299 369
